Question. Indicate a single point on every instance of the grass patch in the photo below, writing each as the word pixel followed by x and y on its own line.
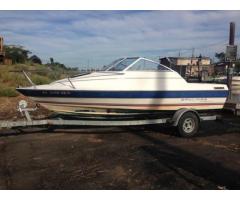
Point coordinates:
pixel 39 74
pixel 40 80
pixel 8 92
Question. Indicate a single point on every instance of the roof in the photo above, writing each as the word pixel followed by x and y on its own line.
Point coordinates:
pixel 180 57
pixel 220 64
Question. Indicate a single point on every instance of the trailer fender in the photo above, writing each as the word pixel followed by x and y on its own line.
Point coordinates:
pixel 179 113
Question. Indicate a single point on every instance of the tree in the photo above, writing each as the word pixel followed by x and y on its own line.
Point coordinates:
pixel 16 53
pixel 35 59
pixel 51 61
pixel 220 56
pixel 57 65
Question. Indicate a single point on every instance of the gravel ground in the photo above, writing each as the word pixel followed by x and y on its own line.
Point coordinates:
pixel 144 157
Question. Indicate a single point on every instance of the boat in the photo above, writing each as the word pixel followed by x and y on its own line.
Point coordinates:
pixel 128 85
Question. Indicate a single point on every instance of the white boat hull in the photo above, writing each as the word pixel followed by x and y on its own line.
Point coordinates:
pixel 76 105
pixel 129 91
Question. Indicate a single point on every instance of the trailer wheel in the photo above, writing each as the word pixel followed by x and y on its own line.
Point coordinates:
pixel 188 125
pixel 51 128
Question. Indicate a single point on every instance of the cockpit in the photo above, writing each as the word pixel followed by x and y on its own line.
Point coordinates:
pixel 135 64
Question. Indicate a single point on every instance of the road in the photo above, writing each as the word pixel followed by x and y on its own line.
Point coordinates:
pixel 144 157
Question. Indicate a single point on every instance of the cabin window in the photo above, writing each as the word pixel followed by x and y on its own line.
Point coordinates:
pixel 112 64
pixel 123 64
pixel 146 65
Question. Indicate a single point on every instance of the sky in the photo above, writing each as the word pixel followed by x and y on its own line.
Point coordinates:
pixel 95 38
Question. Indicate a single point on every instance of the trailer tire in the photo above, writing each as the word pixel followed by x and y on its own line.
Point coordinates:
pixel 188 124
pixel 51 128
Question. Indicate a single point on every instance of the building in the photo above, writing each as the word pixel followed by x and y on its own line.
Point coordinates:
pixel 220 68
pixel 189 66
pixel 3 59
pixel 2 54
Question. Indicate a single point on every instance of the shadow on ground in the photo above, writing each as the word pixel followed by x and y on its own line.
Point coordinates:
pixel 181 161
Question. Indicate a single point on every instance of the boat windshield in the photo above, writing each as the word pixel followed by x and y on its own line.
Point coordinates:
pixel 106 67
pixel 120 66
pixel 147 65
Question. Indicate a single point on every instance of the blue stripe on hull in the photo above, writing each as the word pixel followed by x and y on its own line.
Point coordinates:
pixel 124 94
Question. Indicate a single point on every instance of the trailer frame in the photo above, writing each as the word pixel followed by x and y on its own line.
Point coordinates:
pixel 173 120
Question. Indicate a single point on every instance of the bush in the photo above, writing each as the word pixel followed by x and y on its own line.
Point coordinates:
pixel 9 79
pixel 40 80
pixel 8 92
pixel 17 53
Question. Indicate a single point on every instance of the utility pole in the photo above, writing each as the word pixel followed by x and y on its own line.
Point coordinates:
pixel 191 64
pixel 231 54
pixel 193 50
pixel 232 33
pixel 199 63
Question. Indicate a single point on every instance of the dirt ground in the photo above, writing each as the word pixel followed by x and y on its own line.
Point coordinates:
pixel 8 108
pixel 143 157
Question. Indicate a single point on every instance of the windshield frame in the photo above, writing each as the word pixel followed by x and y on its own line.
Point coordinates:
pixel 137 60
pixel 115 62
pixel 167 68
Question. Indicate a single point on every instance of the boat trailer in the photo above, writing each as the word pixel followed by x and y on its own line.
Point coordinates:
pixel 186 120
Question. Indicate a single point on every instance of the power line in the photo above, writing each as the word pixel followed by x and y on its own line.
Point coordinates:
pixel 206 48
